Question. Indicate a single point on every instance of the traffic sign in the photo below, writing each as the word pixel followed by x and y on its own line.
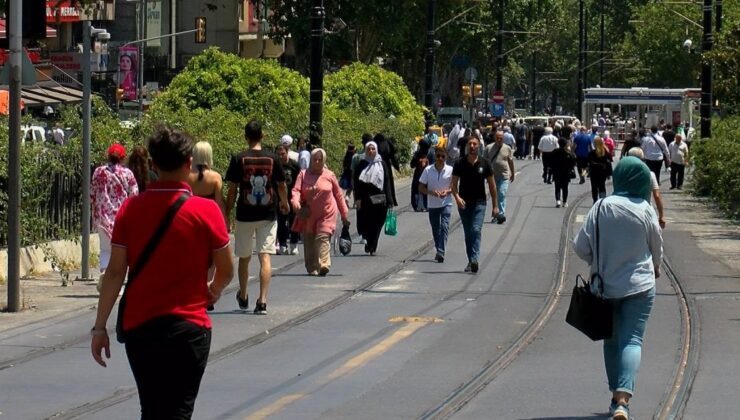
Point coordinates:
pixel 498 97
pixel 471 73
pixel 497 110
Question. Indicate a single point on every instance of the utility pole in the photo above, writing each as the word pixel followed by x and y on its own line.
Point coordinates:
pixel 718 23
pixel 86 93
pixel 429 71
pixel 601 53
pixel 316 96
pixel 500 47
pixel 706 74
pixel 534 82
pixel 15 36
pixel 140 78
pixel 580 57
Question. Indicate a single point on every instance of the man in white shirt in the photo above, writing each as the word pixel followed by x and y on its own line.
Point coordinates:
pixel 435 183
pixel 548 144
pixel 287 141
pixel 679 152
pixel 654 186
pixel 655 150
pixel 58 135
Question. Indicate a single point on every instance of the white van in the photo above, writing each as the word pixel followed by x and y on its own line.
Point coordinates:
pixel 33 133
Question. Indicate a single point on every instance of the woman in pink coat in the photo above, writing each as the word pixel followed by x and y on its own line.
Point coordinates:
pixel 316 199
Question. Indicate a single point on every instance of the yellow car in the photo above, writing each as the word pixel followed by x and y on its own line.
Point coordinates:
pixel 440 134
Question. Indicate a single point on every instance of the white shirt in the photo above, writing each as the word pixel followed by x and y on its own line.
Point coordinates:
pixel 548 143
pixel 437 180
pixel 304 159
pixel 58 134
pixel 678 152
pixel 293 155
pixel 654 147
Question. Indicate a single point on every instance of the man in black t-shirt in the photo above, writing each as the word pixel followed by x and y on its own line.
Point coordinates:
pixel 469 178
pixel 260 180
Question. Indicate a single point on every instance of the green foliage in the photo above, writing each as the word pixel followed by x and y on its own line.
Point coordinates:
pixel 716 161
pixel 725 60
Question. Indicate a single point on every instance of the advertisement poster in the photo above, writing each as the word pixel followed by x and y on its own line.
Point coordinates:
pixel 128 65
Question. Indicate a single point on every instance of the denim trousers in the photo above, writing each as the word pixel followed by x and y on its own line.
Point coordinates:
pixel 502 187
pixel 472 220
pixel 439 218
pixel 623 351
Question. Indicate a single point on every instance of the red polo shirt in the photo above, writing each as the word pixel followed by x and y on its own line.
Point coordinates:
pixel 174 280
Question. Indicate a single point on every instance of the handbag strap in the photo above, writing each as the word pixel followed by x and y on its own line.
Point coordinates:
pixel 598 269
pixel 156 238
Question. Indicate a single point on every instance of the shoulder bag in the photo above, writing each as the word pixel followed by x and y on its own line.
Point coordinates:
pixel 589 312
pixel 144 258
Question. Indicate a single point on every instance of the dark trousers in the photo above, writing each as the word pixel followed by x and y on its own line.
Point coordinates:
pixel 598 186
pixel 373 220
pixel 285 222
pixel 535 150
pixel 582 165
pixel 677 171
pixel 547 167
pixel 168 357
pixel 655 166
pixel 561 186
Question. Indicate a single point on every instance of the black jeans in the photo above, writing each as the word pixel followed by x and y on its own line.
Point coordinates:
pixel 168 356
pixel 655 166
pixel 598 186
pixel 285 222
pixel 677 175
pixel 561 185
pixel 547 166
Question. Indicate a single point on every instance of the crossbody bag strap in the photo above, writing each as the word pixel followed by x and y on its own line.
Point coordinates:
pixel 146 254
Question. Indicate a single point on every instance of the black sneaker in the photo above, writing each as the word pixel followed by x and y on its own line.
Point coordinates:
pixel 260 308
pixel 501 220
pixel 474 266
pixel 468 268
pixel 440 258
pixel 210 308
pixel 243 303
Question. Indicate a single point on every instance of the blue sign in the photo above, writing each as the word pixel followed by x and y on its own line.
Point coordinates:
pixel 497 110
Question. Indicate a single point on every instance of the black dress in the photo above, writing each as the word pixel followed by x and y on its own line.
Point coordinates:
pixel 371 217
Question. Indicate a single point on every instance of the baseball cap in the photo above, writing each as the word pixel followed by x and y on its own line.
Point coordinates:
pixel 286 140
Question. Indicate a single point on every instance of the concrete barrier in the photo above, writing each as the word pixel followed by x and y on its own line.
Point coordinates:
pixel 34 261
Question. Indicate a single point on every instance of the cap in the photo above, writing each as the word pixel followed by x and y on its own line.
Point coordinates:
pixel 286 140
pixel 117 149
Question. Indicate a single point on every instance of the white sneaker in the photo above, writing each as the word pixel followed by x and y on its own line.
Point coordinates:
pixel 294 250
pixel 558 204
pixel 283 250
pixel 565 204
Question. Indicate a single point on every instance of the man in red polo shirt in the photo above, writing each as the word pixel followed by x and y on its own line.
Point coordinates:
pixel 167 328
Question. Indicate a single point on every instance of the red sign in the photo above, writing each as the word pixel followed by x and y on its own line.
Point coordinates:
pixel 34 54
pixel 65 12
pixel 498 97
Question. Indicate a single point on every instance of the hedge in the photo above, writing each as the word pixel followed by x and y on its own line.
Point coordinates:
pixel 716 162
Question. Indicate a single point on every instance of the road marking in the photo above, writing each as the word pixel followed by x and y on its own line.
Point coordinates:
pixel 580 218
pixel 411 325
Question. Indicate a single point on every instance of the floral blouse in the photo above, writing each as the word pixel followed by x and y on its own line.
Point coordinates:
pixel 110 186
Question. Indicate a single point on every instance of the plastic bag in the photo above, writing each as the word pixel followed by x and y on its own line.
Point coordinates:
pixel 345 241
pixel 391 228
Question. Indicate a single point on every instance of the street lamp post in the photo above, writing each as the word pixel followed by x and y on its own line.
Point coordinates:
pixel 316 95
pixel 14 166
pixel 86 88
pixel 429 73
pixel 500 47
pixel 706 74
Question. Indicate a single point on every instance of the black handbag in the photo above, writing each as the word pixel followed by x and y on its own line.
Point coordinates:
pixel 589 312
pixel 144 258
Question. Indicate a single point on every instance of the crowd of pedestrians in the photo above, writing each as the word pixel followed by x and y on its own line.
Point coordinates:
pixel 170 202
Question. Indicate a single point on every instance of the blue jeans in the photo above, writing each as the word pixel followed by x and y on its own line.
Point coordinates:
pixel 472 220
pixel 502 187
pixel 623 351
pixel 439 218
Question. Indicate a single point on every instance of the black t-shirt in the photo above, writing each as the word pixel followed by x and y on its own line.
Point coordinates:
pixel 257 172
pixel 472 179
pixel 537 132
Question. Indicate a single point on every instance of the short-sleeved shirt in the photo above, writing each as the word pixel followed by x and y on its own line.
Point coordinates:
pixel 175 279
pixel 472 179
pixel 499 162
pixel 258 173
pixel 582 142
pixel 436 180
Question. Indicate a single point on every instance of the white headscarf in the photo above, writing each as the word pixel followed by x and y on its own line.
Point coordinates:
pixel 374 172
pixel 317 151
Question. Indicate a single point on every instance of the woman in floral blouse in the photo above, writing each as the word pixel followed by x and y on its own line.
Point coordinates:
pixel 110 186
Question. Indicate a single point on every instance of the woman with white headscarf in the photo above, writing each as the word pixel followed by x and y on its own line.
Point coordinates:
pixel 373 196
pixel 316 199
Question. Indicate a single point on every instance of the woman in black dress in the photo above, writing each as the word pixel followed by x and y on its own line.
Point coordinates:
pixel 562 162
pixel 373 196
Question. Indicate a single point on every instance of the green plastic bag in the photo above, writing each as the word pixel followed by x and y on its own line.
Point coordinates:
pixel 390 223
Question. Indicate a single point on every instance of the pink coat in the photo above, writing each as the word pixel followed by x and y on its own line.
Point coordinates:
pixel 323 196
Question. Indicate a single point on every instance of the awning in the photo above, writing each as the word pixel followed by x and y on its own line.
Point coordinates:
pixel 50 32
pixel 42 94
